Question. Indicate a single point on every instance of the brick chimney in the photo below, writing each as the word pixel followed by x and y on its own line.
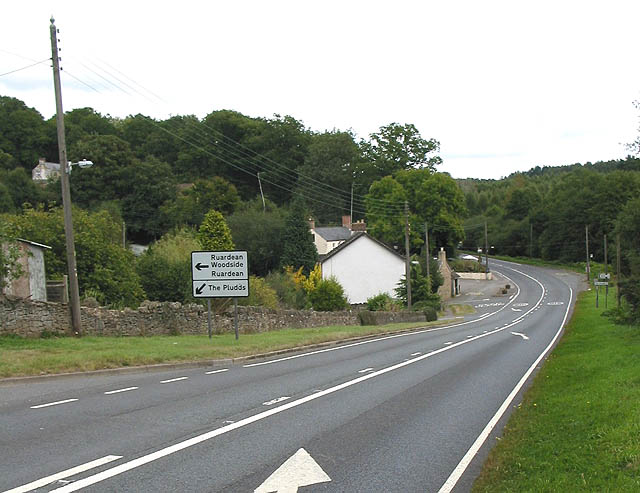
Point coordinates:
pixel 312 223
pixel 359 226
pixel 346 221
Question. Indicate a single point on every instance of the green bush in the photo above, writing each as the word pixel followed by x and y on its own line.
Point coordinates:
pixel 290 295
pixel 382 303
pixel 328 296
pixel 165 268
pixel 260 294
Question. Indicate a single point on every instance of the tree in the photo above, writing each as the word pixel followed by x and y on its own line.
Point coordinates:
pixel 434 198
pixel 190 206
pixel 10 268
pixel 105 268
pixel 298 247
pixel 628 227
pixel 260 233
pixel 165 268
pixel 22 133
pixel 152 184
pixel 214 234
pixel 398 147
pixel 328 173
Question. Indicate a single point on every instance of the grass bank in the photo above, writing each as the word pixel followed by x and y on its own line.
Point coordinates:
pixel 578 427
pixel 22 357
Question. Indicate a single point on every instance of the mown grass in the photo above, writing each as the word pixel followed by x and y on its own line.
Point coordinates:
pixel 21 357
pixel 578 427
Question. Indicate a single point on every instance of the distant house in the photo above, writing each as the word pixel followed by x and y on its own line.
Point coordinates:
pixel 328 238
pixel 364 266
pixel 33 283
pixel 45 171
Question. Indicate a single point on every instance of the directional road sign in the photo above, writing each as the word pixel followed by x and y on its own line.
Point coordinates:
pixel 220 274
pixel 600 283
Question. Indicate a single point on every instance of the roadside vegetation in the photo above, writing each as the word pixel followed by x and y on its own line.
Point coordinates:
pixel 24 357
pixel 578 426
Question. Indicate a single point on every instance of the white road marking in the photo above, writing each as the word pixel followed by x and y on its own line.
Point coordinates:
pixel 174 380
pixel 416 354
pixel 120 390
pixel 299 470
pixel 140 461
pixel 459 470
pixel 555 303
pixel 216 371
pixel 365 370
pixel 276 400
pixel 516 309
pixel 521 335
pixel 406 334
pixel 447 343
pixel 53 403
pixel 64 474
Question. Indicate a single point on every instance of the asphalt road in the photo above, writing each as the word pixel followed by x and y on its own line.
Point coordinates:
pixel 412 412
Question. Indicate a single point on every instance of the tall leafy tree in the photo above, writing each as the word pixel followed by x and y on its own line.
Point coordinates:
pixel 398 147
pixel 23 134
pixel 298 247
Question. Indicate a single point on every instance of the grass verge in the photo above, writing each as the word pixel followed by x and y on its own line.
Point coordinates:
pixel 23 357
pixel 578 427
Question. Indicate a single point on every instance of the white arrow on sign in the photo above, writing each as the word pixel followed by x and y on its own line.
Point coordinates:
pixel 521 335
pixel 299 470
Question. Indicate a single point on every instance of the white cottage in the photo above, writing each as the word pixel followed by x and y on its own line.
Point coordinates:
pixel 365 267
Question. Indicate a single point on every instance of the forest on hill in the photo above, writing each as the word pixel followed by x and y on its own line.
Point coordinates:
pixel 154 178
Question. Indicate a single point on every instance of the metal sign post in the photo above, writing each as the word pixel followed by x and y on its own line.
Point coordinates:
pixel 597 284
pixel 220 275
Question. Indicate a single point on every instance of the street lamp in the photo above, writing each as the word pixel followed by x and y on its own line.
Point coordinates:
pixel 83 163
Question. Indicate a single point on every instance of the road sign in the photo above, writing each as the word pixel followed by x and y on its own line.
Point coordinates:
pixel 605 276
pixel 220 274
pixel 600 283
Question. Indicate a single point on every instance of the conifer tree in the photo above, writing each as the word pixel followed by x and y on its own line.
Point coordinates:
pixel 298 249
pixel 214 234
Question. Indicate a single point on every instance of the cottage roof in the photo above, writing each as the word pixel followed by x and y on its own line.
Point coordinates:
pixel 50 166
pixel 353 239
pixel 335 233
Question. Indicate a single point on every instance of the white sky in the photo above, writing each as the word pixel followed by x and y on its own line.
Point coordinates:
pixel 503 85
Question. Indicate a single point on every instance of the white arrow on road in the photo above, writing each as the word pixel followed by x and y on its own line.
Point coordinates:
pixel 521 335
pixel 299 470
pixel 516 309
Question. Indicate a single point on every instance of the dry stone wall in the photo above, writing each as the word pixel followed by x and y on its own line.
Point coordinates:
pixel 32 318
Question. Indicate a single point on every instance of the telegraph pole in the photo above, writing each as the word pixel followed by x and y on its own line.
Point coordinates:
pixel 486 251
pixel 426 242
pixel 586 234
pixel 74 297
pixel 407 261
pixel 264 207
pixel 618 268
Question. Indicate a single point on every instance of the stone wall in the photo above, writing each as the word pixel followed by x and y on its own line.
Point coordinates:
pixel 31 318
pixel 478 276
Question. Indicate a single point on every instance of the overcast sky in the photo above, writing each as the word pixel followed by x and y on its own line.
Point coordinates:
pixel 503 85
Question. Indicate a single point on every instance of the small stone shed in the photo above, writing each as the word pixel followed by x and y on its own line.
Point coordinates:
pixel 33 283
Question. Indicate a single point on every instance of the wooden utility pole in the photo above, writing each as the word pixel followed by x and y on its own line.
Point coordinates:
pixel 74 296
pixel 264 206
pixel 606 262
pixel 426 243
pixel 407 260
pixel 586 234
pixel 486 252
pixel 618 268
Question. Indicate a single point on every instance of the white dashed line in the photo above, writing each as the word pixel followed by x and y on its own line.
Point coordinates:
pixel 174 380
pixel 120 390
pixel 216 371
pixel 365 370
pixel 416 354
pixel 53 403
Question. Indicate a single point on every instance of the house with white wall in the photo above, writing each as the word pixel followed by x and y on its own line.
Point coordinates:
pixel 45 171
pixel 329 237
pixel 364 267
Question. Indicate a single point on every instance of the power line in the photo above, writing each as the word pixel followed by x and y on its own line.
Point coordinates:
pixel 25 67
